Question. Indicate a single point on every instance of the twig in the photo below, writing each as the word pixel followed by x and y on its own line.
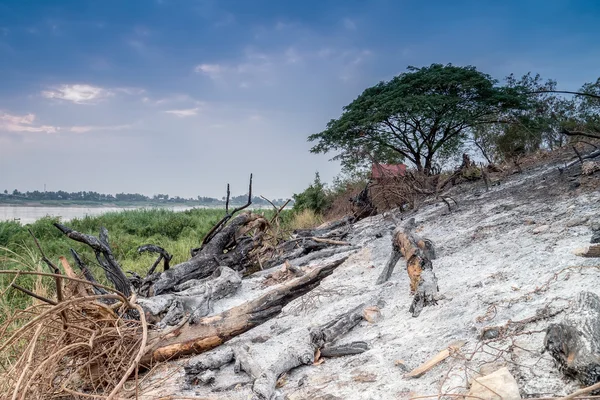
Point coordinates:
pixel 581 392
pixel 52 267
pixel 32 294
pixel 578 155
pixel 279 211
pixel 95 284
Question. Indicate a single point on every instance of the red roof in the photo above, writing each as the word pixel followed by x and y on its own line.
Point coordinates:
pixel 387 170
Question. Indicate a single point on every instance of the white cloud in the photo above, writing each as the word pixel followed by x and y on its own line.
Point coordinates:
pixel 212 70
pixel 23 123
pixel 78 93
pixel 184 113
pixel 88 128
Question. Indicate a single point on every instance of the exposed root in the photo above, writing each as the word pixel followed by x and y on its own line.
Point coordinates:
pixel 77 348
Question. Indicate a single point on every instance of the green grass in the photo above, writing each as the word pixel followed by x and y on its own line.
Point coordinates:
pixel 176 232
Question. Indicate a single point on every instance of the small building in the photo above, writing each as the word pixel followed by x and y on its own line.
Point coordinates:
pixel 386 171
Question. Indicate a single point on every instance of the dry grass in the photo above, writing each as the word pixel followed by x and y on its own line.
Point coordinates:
pixel 306 219
pixel 83 346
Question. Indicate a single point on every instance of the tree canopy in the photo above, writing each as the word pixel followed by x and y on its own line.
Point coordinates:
pixel 419 116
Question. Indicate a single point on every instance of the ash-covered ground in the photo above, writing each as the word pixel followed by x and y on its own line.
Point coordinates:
pixel 503 255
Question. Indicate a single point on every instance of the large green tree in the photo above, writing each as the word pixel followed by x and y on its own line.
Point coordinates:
pixel 419 116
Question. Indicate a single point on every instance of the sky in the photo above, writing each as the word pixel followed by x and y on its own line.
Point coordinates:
pixel 184 96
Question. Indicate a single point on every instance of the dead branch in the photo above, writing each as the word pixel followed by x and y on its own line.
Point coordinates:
pixel 300 349
pixel 215 229
pixel 163 255
pixel 593 154
pixel 34 295
pixel 104 255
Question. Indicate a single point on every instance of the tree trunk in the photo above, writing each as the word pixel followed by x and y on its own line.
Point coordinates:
pixel 418 253
pixel 575 344
pixel 296 348
pixel 210 332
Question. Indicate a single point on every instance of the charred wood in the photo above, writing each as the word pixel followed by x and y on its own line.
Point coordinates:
pixel 210 332
pixel 104 255
pixel 418 253
pixel 574 344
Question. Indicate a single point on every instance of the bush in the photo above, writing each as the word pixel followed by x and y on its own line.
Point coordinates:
pixel 314 198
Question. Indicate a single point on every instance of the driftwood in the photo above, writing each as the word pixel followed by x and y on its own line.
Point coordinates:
pixel 316 241
pixel 418 253
pixel 299 346
pixel 574 344
pixel 210 332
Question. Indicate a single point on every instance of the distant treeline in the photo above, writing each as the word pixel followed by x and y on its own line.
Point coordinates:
pixel 61 195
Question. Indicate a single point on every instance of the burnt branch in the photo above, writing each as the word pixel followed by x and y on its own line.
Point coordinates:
pixel 215 229
pixel 162 255
pixel 104 255
pixel 87 273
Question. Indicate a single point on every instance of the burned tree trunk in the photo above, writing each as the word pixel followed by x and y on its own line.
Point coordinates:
pixel 362 206
pixel 297 348
pixel 210 332
pixel 418 253
pixel 227 248
pixel 574 344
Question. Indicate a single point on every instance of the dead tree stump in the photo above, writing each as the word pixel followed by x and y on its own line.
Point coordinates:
pixel 418 253
pixel 574 344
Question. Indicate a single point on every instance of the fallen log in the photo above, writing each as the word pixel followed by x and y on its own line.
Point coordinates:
pixel 592 155
pixel 574 344
pixel 418 253
pixel 297 348
pixel 210 332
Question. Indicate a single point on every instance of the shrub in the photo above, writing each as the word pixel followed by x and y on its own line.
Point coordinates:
pixel 314 198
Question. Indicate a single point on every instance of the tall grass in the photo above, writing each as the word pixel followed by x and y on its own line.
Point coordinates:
pixel 175 231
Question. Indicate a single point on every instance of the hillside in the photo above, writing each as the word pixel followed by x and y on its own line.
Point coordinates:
pixel 504 256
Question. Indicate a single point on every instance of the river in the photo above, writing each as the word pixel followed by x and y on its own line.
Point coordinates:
pixel 27 215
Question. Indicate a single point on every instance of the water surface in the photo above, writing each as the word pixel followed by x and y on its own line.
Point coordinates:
pixel 27 215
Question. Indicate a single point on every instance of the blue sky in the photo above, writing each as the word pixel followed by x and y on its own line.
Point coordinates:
pixel 180 97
